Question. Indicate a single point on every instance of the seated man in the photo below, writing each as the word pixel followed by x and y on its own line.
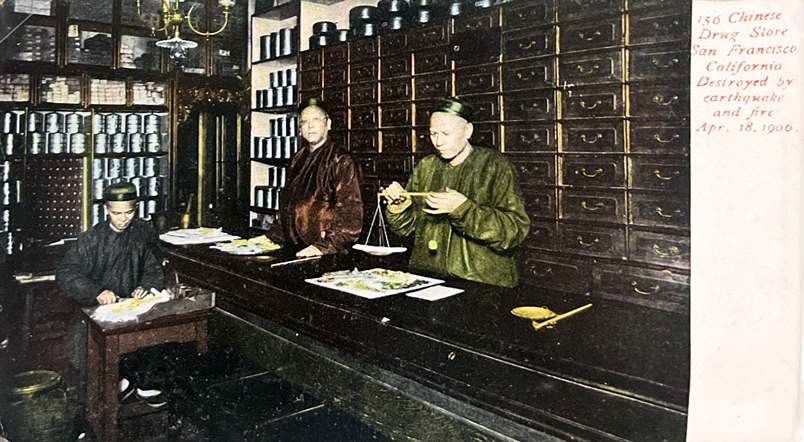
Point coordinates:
pixel 115 259
pixel 473 217
pixel 321 210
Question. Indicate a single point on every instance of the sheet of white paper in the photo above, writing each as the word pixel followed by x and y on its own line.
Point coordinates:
pixel 435 293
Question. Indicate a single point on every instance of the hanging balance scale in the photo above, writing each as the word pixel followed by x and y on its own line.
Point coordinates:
pixel 384 247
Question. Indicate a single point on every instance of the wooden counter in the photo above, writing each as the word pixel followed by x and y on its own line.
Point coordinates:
pixel 616 371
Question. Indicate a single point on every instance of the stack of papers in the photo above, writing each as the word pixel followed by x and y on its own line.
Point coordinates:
pixel 128 309
pixel 201 235
pixel 253 246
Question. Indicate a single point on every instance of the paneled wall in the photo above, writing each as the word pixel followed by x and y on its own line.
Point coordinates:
pixel 588 99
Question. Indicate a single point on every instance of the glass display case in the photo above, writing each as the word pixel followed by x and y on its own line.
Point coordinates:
pixel 94 10
pixel 15 87
pixel 61 89
pixel 32 43
pixel 140 53
pixel 89 47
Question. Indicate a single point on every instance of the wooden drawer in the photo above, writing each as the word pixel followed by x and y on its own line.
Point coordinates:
pixel 542 236
pixel 310 80
pixel 335 76
pixel 605 101
pixel 592 137
pixel 526 138
pixel 660 101
pixel 474 48
pixel 396 115
pixel 584 9
pixel 423 143
pixel 363 49
pixel 433 86
pixel 535 169
pixel 339 137
pixel 310 60
pixel 520 15
pixel 486 107
pixel 393 43
pixel 532 105
pixel 364 141
pixel 395 90
pixel 597 171
pixel 422 111
pixel 540 202
pixel 591 68
pixel 396 140
pixel 553 272
pixel 528 74
pixel 432 61
pixel 428 37
pixel 660 62
pixel 651 210
pixel 339 118
pixel 368 165
pixel 662 290
pixel 365 117
pixel 363 94
pixel 604 207
pixel 395 67
pixel 529 43
pixel 592 34
pixel 364 72
pixel 337 54
pixel 659 138
pixel 604 242
pixel 394 166
pixel 337 96
pixel 671 175
pixel 486 135
pixel 657 27
pixel 478 80
pixel 478 20
pixel 659 248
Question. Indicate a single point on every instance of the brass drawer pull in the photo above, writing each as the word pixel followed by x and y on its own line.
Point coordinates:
pixel 658 99
pixel 472 82
pixel 528 77
pixel 528 46
pixel 597 172
pixel 660 212
pixel 672 250
pixel 531 168
pixel 533 272
pixel 583 104
pixel 597 206
pixel 658 137
pixel 653 289
pixel 658 63
pixel 582 69
pixel 583 36
pixel 529 140
pixel 597 136
pixel 674 23
pixel 525 108
pixel 580 241
pixel 658 174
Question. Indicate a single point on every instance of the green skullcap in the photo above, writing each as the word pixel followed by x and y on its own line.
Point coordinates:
pixel 123 191
pixel 456 107
pixel 313 102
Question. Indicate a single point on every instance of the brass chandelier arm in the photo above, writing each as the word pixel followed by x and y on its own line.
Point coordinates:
pixel 207 34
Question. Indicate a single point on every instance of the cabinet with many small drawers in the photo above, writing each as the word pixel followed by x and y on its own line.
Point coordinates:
pixel 589 100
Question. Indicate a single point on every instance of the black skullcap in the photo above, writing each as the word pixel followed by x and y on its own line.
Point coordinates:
pixel 122 191
pixel 313 102
pixel 454 106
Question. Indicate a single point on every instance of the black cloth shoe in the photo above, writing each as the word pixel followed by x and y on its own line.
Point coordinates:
pixel 126 389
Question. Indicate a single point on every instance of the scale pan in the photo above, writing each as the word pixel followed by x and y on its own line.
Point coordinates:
pixel 378 250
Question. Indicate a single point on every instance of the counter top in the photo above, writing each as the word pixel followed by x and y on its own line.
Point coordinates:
pixel 470 346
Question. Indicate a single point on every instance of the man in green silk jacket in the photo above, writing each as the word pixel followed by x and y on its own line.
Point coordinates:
pixel 472 217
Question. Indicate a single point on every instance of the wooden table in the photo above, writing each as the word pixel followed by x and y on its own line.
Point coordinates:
pixel 181 320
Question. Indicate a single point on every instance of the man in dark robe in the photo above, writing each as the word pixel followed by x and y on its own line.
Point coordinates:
pixel 114 259
pixel 321 210
pixel 473 216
